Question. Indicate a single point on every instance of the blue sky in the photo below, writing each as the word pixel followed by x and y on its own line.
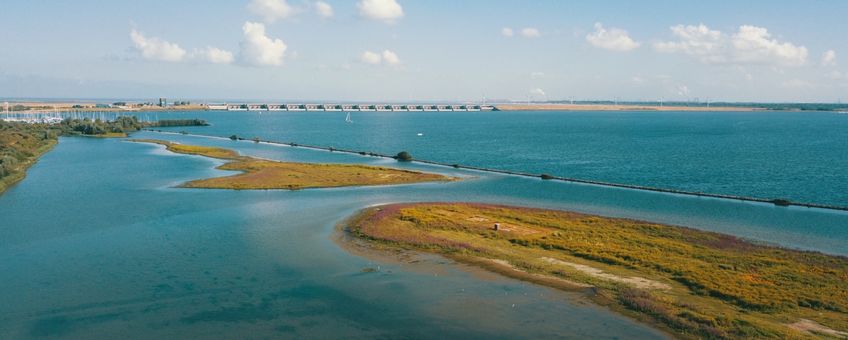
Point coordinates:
pixel 400 50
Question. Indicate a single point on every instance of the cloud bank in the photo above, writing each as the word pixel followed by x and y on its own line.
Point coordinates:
pixel 749 45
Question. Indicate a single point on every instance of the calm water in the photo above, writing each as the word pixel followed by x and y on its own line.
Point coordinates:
pixel 96 242
pixel 801 156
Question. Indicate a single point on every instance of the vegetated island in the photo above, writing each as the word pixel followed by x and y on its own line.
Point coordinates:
pixel 22 143
pixel 696 284
pixel 268 174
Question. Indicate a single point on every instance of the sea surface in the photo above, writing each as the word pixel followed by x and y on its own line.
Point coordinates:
pixel 801 156
pixel 97 242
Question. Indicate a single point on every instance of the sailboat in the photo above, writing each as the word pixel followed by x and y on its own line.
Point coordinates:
pixel 347 118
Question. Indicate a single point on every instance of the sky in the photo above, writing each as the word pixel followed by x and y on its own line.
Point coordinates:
pixel 433 50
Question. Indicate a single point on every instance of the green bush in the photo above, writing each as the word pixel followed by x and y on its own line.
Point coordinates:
pixel 403 156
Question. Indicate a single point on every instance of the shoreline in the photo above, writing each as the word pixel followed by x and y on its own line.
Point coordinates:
pixel 9 181
pixel 615 288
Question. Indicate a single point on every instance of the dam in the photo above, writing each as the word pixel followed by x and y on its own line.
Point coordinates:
pixel 349 107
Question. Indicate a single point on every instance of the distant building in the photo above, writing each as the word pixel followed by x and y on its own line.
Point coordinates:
pixel 163 102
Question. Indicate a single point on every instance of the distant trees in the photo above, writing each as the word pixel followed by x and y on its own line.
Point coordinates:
pixel 99 127
pixel 179 122
pixel 123 124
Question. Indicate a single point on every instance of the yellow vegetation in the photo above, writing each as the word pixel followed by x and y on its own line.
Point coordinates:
pixel 267 174
pixel 697 283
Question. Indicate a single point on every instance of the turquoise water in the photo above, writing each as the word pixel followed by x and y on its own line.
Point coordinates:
pixel 96 242
pixel 801 156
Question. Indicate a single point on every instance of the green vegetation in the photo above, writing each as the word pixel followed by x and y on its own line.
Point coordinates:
pixel 266 174
pixel 22 143
pixel 20 146
pixel 87 127
pixel 177 122
pixel 404 156
pixel 697 284
pixel 119 127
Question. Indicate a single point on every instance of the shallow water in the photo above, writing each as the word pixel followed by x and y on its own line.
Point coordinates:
pixel 96 242
pixel 801 156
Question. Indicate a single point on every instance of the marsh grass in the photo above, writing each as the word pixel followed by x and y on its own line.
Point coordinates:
pixel 719 286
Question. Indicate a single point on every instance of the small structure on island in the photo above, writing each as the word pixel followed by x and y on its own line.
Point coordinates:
pixel 497 227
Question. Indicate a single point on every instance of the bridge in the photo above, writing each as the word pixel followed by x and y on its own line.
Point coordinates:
pixel 349 107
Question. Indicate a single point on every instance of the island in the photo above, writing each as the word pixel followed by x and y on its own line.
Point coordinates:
pixel 692 283
pixel 259 174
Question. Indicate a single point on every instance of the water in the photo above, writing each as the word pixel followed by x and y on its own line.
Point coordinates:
pixel 801 156
pixel 96 242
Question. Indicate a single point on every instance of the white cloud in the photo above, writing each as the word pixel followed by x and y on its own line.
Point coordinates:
pixel 271 10
pixel 750 44
pixel 530 32
pixel 386 57
pixel 537 75
pixel 829 58
pixel 156 49
pixel 324 9
pixel 260 50
pixel 683 90
pixel 371 58
pixel 754 44
pixel 507 32
pixel 390 58
pixel 537 92
pixel 614 39
pixel 213 55
pixel 383 10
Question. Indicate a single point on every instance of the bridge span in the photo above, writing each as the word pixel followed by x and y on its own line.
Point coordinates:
pixel 349 107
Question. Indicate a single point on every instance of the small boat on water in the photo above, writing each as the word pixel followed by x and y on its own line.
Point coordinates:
pixel 348 119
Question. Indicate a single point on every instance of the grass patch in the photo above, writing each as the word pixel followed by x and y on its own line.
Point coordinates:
pixel 697 284
pixel 267 174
